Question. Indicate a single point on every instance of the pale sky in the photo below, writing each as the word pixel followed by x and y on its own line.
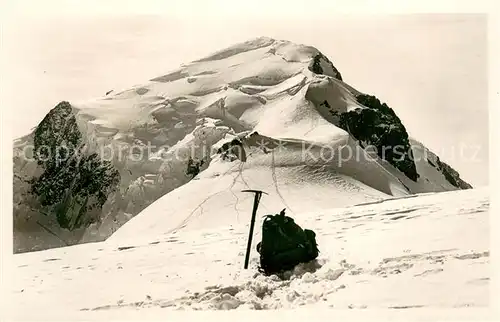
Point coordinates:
pixel 432 70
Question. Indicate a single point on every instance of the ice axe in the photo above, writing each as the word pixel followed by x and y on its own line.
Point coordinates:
pixel 258 195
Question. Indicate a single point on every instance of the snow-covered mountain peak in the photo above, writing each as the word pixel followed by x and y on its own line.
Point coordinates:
pixel 264 113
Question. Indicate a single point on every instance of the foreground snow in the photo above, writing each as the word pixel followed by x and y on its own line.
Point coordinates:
pixel 424 251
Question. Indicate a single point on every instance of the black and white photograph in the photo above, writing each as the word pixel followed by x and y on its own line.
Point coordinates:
pixel 253 156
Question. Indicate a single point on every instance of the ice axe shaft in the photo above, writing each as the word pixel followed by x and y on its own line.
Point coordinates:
pixel 258 195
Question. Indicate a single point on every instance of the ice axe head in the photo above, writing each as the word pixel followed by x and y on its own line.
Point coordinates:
pixel 258 193
pixel 254 191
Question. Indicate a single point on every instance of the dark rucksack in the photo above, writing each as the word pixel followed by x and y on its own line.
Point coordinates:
pixel 285 244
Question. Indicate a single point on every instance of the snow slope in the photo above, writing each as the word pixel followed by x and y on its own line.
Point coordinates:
pixel 419 251
pixel 269 94
pixel 297 180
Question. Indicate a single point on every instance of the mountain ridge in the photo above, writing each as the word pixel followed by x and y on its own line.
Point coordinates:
pixel 266 89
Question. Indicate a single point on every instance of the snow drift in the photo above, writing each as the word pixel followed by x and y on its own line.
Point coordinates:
pixel 266 114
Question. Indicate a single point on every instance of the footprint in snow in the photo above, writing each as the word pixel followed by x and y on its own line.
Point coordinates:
pixel 473 255
pixel 125 248
pixel 429 271
pixel 392 269
pixel 479 281
pixel 406 306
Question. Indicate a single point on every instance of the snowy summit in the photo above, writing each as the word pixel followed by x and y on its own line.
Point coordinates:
pixel 299 125
pixel 159 171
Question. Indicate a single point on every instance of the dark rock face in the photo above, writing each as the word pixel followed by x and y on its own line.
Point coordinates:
pixel 74 184
pixel 451 175
pixel 317 69
pixel 378 126
pixel 193 167
pixel 66 193
pixel 233 150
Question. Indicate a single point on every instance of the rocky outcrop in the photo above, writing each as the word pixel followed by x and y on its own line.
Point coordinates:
pixel 233 150
pixel 316 66
pixel 74 184
pixel 193 167
pixel 377 125
pixel 451 175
